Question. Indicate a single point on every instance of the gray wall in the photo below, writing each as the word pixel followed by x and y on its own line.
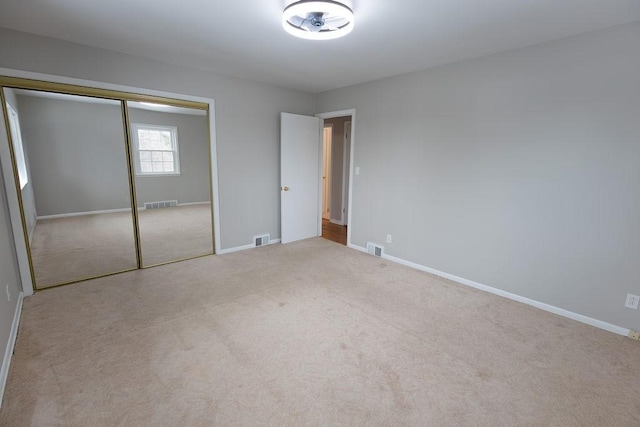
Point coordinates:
pixel 247 124
pixel 519 170
pixel 77 155
pixel 9 273
pixel 192 185
pixel 337 165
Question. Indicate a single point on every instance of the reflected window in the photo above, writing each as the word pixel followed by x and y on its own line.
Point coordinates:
pixel 16 137
pixel 156 149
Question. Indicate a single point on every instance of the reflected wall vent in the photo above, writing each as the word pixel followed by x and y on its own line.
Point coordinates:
pixel 162 204
pixel 262 240
pixel 375 249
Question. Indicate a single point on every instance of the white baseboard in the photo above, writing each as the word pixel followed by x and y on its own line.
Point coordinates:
pixel 336 222
pixel 6 362
pixel 537 304
pixel 83 213
pixel 31 230
pixel 235 249
pixel 244 247
pixel 358 248
pixel 194 203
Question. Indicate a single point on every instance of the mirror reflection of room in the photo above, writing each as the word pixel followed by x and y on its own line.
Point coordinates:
pixel 70 153
pixel 171 153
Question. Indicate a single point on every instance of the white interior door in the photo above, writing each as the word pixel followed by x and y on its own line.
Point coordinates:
pixel 299 172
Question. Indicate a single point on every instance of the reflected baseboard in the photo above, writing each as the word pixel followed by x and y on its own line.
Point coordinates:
pixel 142 208
pixel 105 211
pixel 194 203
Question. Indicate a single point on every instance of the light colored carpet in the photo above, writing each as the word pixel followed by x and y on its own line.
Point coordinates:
pixel 180 232
pixel 75 248
pixel 310 333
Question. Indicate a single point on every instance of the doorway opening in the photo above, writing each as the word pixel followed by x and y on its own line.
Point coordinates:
pixel 335 178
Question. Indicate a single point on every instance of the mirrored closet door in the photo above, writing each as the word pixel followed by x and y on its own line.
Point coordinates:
pixel 171 152
pixel 107 181
pixel 71 157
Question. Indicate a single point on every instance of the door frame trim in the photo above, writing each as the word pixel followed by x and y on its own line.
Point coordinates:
pixel 345 174
pixel 330 115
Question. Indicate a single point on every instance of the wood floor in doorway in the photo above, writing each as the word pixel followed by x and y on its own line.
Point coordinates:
pixel 334 232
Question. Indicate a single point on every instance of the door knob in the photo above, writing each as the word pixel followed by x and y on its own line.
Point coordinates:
pixel 285 188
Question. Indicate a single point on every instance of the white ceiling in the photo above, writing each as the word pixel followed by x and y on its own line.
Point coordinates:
pixel 244 38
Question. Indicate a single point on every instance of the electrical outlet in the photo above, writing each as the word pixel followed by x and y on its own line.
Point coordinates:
pixel 632 301
pixel 388 238
pixel 8 293
pixel 634 335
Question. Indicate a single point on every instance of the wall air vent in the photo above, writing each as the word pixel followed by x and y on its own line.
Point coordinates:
pixel 262 240
pixel 375 249
pixel 162 204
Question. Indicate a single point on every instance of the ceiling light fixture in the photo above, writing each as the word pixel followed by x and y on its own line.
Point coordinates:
pixel 317 19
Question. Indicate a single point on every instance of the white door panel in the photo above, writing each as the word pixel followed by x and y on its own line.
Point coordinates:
pixel 299 172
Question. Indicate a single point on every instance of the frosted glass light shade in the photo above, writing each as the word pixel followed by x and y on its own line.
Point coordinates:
pixel 317 19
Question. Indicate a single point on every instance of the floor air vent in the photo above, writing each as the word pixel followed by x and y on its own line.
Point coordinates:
pixel 163 204
pixel 262 240
pixel 374 249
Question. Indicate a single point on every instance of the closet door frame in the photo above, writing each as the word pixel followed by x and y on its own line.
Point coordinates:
pixel 15 79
